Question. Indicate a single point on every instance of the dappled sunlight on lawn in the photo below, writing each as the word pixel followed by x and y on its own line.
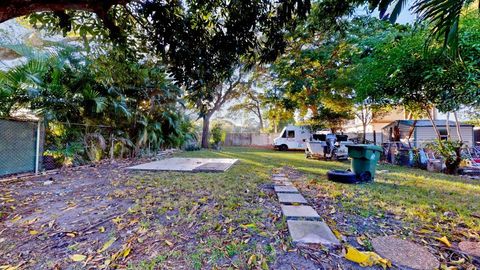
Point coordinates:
pixel 414 194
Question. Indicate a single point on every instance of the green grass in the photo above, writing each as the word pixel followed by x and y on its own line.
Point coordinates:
pixel 222 220
pixel 413 194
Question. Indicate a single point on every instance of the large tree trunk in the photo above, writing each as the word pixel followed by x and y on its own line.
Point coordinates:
pixel 206 130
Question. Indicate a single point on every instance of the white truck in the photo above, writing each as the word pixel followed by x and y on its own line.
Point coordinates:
pixel 292 138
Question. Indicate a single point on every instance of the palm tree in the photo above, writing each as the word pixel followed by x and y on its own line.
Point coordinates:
pixel 443 15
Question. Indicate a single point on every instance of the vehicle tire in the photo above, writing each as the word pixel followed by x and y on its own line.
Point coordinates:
pixel 342 176
pixel 365 177
pixel 283 147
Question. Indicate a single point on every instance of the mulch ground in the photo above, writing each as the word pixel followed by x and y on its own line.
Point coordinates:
pixel 103 213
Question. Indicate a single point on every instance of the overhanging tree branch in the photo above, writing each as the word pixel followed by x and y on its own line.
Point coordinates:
pixel 10 9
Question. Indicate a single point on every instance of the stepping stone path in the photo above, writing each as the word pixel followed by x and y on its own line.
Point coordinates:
pixel 404 253
pixel 285 189
pixel 303 221
pixel 300 211
pixel 291 198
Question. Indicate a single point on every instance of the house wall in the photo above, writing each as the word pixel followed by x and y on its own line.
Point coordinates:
pixel 354 128
pixel 404 129
pixel 424 135
pixel 393 115
pixel 356 131
pixel 427 134
pixel 476 135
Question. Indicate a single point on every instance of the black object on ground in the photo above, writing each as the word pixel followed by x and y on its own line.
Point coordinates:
pixel 342 176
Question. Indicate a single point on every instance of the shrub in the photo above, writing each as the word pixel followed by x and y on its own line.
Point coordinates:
pixel 218 135
pixel 450 151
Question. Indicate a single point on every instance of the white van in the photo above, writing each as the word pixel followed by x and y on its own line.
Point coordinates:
pixel 292 137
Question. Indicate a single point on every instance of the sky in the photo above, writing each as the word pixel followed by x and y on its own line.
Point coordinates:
pixel 405 17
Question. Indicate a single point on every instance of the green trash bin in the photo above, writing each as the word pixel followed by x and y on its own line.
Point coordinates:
pixel 364 160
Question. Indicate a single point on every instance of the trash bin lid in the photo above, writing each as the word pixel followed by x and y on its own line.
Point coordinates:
pixel 366 147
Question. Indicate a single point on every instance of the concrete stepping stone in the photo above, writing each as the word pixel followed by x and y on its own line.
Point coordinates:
pixel 470 247
pixel 299 211
pixel 405 253
pixel 285 189
pixel 283 183
pixel 311 232
pixel 291 198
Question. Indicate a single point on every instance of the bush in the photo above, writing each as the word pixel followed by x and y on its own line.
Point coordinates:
pixel 218 135
pixel 450 151
pixel 191 145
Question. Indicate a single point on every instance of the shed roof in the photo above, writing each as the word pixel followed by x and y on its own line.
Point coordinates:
pixel 427 123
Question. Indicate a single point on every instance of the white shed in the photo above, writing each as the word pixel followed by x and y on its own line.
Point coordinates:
pixel 424 132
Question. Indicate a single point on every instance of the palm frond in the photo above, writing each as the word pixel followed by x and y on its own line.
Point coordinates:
pixel 397 9
pixel 444 16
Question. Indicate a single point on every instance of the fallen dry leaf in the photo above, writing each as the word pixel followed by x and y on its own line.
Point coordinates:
pixel 366 258
pixel 444 240
pixel 78 257
pixel 107 245
pixel 8 267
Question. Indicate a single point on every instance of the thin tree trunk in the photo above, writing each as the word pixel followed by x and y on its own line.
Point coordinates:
pixel 364 139
pixel 447 124
pixel 410 132
pixel 206 130
pixel 260 118
pixel 430 117
pixel 457 124
pixel 112 146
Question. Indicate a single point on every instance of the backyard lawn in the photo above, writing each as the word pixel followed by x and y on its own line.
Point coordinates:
pixel 107 217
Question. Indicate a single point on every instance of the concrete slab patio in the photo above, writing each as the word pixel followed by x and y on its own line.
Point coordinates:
pixel 187 165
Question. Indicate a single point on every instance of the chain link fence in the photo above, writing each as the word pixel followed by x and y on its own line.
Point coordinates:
pixel 21 146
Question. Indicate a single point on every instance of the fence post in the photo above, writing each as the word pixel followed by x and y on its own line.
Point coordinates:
pixel 37 147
